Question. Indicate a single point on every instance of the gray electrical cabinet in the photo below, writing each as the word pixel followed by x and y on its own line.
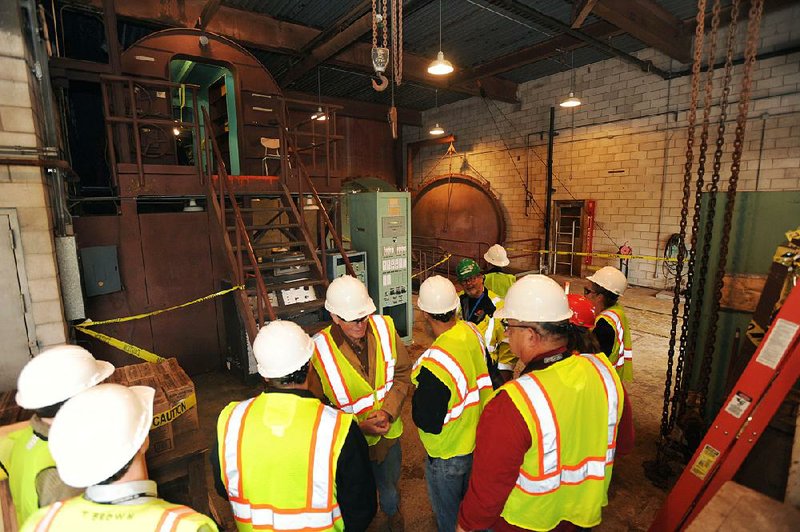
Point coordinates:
pixel 380 224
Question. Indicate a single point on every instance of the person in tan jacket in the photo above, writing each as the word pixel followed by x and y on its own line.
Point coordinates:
pixel 362 367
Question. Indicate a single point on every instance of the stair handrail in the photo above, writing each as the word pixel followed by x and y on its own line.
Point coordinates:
pixel 302 171
pixel 242 237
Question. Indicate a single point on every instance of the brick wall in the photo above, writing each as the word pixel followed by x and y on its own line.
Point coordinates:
pixel 625 147
pixel 24 188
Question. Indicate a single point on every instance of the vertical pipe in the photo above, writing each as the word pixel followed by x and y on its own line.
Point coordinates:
pixel 551 135
pixel 136 134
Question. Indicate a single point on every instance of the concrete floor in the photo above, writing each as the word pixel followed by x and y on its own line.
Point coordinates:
pixel 633 500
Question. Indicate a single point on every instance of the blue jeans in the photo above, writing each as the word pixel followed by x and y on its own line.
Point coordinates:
pixel 387 477
pixel 447 484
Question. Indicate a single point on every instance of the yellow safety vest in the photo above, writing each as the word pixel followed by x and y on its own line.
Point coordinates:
pixel 499 282
pixel 344 386
pixel 621 355
pixel 278 455
pixel 24 455
pixel 456 358
pixel 81 514
pixel 572 409
pixel 494 335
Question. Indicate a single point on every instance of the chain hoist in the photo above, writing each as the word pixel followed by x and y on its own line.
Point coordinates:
pixel 380 54
pixel 694 327
pixel 753 30
pixel 397 41
pixel 667 421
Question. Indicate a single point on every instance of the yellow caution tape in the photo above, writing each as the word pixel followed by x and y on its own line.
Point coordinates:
pixel 90 323
pixel 445 259
pixel 131 349
pixel 174 412
pixel 601 255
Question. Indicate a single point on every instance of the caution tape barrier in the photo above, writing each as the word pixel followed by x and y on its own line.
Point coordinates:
pixel 445 259
pixel 131 349
pixel 595 254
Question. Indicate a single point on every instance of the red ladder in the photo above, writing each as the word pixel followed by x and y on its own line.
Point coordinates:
pixel 758 393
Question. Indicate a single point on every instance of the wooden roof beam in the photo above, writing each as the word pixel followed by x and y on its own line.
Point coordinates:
pixel 650 23
pixel 536 52
pixel 580 10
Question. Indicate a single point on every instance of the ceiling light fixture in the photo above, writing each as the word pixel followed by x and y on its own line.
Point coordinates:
pixel 440 66
pixel 437 129
pixel 571 100
pixel 320 115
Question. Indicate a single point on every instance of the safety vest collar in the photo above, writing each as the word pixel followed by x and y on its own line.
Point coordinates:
pixel 331 359
pixel 320 512
pixel 624 352
pixel 552 472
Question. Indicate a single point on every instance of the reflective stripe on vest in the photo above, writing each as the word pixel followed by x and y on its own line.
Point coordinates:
pixel 624 352
pixel 466 397
pixel 552 472
pixel 334 373
pixel 475 330
pixel 319 514
pixel 47 520
pixel 170 519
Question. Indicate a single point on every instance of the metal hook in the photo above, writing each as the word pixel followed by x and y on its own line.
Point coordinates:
pixel 382 85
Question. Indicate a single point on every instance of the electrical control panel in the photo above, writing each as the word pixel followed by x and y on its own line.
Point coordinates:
pixel 380 224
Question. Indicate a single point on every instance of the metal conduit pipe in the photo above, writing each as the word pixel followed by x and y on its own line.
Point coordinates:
pixel 62 220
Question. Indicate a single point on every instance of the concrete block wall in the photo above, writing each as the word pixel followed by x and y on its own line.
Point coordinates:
pixel 625 147
pixel 25 188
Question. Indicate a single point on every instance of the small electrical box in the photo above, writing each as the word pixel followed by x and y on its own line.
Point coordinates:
pixel 100 270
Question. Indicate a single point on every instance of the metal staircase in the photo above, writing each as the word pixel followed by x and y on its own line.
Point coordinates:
pixel 268 245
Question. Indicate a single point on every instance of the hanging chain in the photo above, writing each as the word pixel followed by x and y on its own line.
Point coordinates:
pixel 397 40
pixel 385 25
pixel 753 30
pixel 667 420
pixel 374 24
pixel 708 352
pixel 700 274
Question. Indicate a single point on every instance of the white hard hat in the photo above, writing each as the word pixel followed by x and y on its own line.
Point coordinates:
pixel 497 256
pixel 348 298
pixel 99 431
pixel 535 299
pixel 57 374
pixel 437 295
pixel 611 279
pixel 281 348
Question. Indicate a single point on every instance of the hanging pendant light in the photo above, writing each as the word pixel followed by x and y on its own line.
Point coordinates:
pixel 440 66
pixel 571 100
pixel 320 114
pixel 437 129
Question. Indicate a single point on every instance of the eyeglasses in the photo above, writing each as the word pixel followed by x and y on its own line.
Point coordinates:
pixel 471 280
pixel 587 291
pixel 356 321
pixel 506 325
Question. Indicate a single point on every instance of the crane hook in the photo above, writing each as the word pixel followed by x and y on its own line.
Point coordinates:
pixel 384 82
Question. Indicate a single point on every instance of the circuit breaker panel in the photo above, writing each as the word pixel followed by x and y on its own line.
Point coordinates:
pixel 380 224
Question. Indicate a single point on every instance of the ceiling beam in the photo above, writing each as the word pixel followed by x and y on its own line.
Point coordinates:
pixel 208 12
pixel 342 34
pixel 528 13
pixel 537 52
pixel 650 23
pixel 580 10
pixel 267 33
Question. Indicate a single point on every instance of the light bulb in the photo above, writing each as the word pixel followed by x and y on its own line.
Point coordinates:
pixel 571 101
pixel 436 130
pixel 441 66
